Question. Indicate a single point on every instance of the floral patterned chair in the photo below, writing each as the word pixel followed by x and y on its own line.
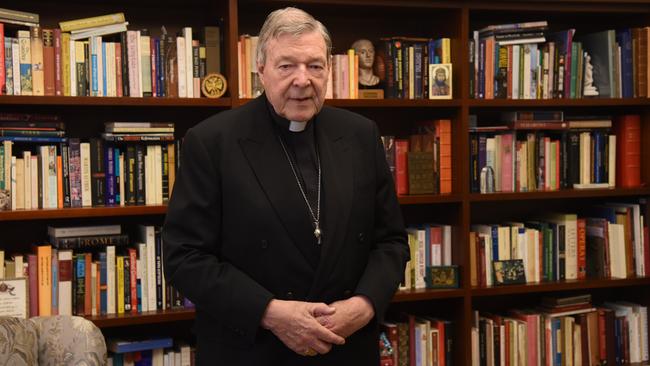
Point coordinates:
pixel 51 340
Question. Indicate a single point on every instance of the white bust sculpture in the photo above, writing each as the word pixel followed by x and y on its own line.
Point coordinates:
pixel 589 90
pixel 366 52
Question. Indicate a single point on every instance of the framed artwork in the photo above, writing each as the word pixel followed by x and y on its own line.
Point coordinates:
pixel 440 77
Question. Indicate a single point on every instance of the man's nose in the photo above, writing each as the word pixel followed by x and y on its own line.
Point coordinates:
pixel 301 77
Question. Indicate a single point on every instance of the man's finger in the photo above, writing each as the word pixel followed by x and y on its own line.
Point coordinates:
pixel 328 336
pixel 320 309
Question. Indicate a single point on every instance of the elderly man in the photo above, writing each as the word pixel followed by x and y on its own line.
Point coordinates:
pixel 283 227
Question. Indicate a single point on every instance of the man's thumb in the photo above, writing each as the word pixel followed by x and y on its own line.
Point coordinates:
pixel 321 309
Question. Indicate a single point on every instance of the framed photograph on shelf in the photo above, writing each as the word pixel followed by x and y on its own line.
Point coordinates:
pixel 440 77
pixel 442 277
pixel 508 272
pixel 13 297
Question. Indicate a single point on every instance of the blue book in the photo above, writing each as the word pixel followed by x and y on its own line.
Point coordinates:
pixel 103 300
pixel 555 331
pixel 104 77
pixel 125 346
pixel 54 140
pixel 116 159
pixel 110 175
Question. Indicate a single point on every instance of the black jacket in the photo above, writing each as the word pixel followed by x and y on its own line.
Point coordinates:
pixel 236 215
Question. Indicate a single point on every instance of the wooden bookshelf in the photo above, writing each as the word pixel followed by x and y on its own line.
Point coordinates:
pixel 348 20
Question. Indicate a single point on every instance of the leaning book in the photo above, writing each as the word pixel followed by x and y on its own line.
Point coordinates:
pixel 125 346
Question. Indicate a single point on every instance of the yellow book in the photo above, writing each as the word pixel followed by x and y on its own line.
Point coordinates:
pixel 44 260
pixel 76 24
pixel 38 72
pixel 65 63
pixel 351 73
pixel 446 51
pixel 120 284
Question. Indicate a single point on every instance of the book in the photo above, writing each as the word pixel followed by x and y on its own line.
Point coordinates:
pixel 19 17
pixel 74 231
pixel 126 346
pixel 508 272
pixel 97 21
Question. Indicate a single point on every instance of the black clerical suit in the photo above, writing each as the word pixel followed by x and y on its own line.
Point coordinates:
pixel 236 227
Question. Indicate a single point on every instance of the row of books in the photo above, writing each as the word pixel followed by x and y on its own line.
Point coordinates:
pixel 430 245
pixel 95 270
pixel 577 333
pixel 421 164
pixel 526 61
pixel 417 340
pixel 100 172
pixel 101 61
pixel 152 351
pixel 607 241
pixel 550 154
pixel 407 65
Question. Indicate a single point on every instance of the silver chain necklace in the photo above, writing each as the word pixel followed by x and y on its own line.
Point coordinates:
pixel 315 217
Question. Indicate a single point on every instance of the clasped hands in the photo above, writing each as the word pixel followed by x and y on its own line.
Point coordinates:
pixel 310 328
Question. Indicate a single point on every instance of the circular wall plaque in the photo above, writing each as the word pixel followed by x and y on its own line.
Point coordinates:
pixel 214 85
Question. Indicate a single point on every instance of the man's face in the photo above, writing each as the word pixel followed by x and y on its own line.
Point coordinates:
pixel 366 53
pixel 295 75
pixel 440 76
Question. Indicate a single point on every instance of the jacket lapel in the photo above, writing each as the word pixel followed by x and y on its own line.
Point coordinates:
pixel 269 163
pixel 338 182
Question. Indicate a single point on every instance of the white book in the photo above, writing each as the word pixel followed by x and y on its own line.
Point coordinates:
pixel 157 358
pixel 526 49
pixel 34 177
pixel 27 179
pixel 145 64
pixel 138 61
pixel 2 264
pixel 111 286
pixel 637 234
pixel 446 245
pixel 20 182
pixel 86 191
pixel 585 158
pixel 132 61
pixel 611 161
pixel 143 275
pixel 72 231
pixel 98 31
pixel 15 50
pixel 53 182
pixel 147 235
pixel 18 266
pixel 93 288
pixel 180 60
pixel 189 64
pixel 617 250
pixel 14 193
pixel 65 285
pixel 149 181
pixel 111 77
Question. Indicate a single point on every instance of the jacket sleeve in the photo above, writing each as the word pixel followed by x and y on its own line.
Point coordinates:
pixel 390 251
pixel 191 240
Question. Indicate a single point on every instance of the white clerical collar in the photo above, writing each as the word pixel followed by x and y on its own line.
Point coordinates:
pixel 295 126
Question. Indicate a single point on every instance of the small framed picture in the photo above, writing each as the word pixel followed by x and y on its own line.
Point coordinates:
pixel 508 272
pixel 13 297
pixel 440 81
pixel 442 277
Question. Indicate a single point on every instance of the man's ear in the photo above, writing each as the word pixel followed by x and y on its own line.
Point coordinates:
pixel 260 72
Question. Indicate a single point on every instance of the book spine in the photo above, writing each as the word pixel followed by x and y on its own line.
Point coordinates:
pixel 91 22
pixel 98 174
pixel 49 62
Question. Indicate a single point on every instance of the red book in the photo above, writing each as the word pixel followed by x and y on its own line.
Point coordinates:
pixel 628 150
pixel 401 166
pixel 58 65
pixel 32 268
pixel 133 257
pixel 443 127
pixel 582 249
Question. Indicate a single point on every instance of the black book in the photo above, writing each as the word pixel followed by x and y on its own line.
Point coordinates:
pixel 140 193
pixel 97 172
pixel 130 176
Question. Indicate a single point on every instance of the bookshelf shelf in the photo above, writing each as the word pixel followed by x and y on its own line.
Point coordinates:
pixel 561 194
pixel 149 317
pixel 558 286
pixel 559 103
pixel 429 199
pixel 424 294
pixel 70 213
pixel 382 103
pixel 114 101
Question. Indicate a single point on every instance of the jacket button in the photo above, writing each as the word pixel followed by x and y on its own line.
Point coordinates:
pixel 361 237
pixel 289 295
pixel 347 293
pixel 265 243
